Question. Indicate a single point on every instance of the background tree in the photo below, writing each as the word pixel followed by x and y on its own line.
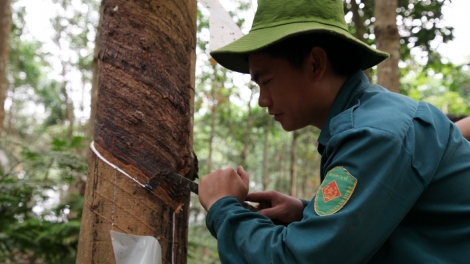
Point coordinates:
pixel 5 28
pixel 418 24
pixel 95 68
pixel 41 214
pixel 388 40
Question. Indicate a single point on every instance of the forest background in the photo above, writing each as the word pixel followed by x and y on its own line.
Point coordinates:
pixel 49 94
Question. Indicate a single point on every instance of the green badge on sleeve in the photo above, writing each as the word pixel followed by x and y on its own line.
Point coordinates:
pixel 335 191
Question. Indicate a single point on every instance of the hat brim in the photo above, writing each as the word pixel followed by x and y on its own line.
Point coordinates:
pixel 234 55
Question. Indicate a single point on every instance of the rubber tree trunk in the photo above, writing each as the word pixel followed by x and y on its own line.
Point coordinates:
pixel 5 28
pixel 388 40
pixel 143 125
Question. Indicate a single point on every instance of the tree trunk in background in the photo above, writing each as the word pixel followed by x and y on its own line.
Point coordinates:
pixel 68 113
pixel 143 125
pixel 293 164
pixel 278 153
pixel 214 98
pixel 249 122
pixel 211 139
pixel 11 128
pixel 69 109
pixel 360 29
pixel 305 168
pixel 388 40
pixel 95 66
pixel 265 153
pixel 5 28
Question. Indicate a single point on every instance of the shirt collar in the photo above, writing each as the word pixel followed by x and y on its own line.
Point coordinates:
pixel 344 99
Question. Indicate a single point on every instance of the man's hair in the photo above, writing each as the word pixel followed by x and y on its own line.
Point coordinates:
pixel 345 58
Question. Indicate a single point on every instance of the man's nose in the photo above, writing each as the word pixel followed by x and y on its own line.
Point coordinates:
pixel 264 99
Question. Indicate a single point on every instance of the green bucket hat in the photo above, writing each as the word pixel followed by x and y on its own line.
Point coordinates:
pixel 277 20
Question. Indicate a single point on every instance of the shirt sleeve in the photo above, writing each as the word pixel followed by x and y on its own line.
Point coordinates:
pixel 387 187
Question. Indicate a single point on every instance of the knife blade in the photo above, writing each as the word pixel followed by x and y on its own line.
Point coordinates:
pixel 173 176
pixel 185 182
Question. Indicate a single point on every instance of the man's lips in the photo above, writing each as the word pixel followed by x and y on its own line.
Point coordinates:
pixel 276 115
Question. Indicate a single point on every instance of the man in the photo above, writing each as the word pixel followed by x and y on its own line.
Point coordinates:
pixel 395 172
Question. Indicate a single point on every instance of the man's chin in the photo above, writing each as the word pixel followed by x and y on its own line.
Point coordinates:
pixel 290 127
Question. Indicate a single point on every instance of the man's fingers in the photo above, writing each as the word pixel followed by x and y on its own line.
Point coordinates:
pixel 244 176
pixel 259 197
pixel 272 213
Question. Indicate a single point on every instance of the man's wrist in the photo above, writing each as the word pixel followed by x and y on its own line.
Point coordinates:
pixel 217 212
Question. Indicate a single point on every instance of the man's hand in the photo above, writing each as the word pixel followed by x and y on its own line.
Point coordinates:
pixel 278 206
pixel 221 183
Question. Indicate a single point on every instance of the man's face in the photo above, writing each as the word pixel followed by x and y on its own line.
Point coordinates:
pixel 291 95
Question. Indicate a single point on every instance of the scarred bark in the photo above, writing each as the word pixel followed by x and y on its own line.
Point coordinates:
pixel 388 40
pixel 143 125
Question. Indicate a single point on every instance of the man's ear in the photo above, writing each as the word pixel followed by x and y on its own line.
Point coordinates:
pixel 317 62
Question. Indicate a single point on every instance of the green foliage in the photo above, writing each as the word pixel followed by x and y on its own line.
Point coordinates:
pixel 39 201
pixel 443 84
pixel 418 24
pixel 35 223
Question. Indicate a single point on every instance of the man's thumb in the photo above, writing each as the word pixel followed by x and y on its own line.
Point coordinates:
pixel 269 212
pixel 243 175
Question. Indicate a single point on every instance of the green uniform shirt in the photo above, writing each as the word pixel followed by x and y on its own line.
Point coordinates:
pixel 395 189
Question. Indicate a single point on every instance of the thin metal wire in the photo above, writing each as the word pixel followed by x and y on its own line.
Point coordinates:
pixel 92 146
pixel 116 168
pixel 114 198
pixel 173 242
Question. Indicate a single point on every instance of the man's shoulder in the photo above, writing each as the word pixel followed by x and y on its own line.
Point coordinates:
pixel 377 109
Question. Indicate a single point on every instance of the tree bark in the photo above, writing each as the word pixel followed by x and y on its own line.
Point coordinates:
pixel 143 125
pixel 5 28
pixel 293 164
pixel 388 40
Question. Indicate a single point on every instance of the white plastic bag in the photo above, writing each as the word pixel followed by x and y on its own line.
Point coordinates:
pixel 132 249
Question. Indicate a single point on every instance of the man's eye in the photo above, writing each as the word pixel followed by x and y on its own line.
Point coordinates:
pixel 266 82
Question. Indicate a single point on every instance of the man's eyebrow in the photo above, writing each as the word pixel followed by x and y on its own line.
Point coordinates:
pixel 256 75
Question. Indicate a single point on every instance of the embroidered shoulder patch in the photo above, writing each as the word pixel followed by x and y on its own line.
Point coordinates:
pixel 335 191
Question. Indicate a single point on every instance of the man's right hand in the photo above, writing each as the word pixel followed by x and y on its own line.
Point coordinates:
pixel 278 206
